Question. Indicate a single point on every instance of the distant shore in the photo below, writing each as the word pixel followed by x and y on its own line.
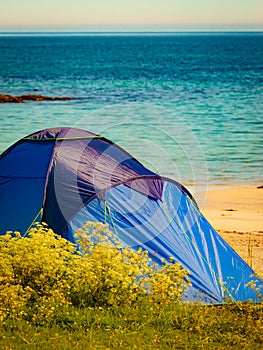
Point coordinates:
pixel 236 212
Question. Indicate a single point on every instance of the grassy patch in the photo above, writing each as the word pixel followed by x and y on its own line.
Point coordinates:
pixel 142 326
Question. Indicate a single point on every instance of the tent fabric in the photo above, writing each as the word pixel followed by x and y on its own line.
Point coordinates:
pixel 172 227
pixel 66 177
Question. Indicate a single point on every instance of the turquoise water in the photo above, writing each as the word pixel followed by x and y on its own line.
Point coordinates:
pixel 188 106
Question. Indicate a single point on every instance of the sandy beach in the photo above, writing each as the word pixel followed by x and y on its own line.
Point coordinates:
pixel 237 214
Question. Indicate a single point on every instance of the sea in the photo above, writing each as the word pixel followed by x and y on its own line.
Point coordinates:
pixel 187 105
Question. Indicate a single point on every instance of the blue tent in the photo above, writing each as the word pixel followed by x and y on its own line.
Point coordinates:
pixel 66 177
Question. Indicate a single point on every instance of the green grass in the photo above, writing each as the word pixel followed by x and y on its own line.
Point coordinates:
pixel 145 326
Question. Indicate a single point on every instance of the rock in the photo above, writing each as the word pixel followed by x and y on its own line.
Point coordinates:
pixel 30 97
pixel 10 99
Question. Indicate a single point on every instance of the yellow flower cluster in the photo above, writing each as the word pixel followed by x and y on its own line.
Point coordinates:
pixel 42 275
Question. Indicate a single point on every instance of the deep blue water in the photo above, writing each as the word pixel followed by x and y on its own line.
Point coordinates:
pixel 188 106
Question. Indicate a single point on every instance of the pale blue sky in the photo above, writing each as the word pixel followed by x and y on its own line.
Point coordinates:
pixel 132 14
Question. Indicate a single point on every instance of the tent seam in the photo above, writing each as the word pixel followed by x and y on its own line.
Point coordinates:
pixel 96 195
pixel 122 182
pixel 51 162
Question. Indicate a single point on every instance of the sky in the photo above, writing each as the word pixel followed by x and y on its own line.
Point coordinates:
pixel 159 15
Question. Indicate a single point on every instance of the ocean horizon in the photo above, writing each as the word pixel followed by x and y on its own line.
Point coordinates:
pixel 129 32
pixel 188 105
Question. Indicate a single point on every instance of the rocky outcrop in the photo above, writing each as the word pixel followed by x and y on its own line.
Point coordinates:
pixel 30 97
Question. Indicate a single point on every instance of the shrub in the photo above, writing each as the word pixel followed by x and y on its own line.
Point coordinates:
pixel 121 275
pixel 43 275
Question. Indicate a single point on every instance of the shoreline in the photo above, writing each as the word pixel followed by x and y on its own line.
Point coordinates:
pixel 236 212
